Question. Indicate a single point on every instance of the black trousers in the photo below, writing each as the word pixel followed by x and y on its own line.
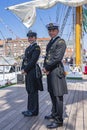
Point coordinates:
pixel 57 107
pixel 33 105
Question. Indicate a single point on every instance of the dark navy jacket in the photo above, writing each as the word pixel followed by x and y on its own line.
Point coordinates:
pixel 29 66
pixel 31 57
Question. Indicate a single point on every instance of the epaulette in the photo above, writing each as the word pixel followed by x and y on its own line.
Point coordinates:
pixel 61 41
pixel 37 48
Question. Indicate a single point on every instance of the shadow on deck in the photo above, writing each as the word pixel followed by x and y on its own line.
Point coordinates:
pixel 13 100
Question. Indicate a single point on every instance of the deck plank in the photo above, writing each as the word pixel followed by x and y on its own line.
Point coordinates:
pixel 13 100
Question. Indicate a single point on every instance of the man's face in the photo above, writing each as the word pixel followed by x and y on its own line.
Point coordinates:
pixel 53 32
pixel 31 39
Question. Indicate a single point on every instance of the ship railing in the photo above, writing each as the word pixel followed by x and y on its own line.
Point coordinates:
pixel 74 68
pixel 8 73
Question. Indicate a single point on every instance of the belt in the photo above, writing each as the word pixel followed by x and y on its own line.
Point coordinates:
pixel 58 65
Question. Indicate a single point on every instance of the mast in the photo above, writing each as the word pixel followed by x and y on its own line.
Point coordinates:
pixel 78 35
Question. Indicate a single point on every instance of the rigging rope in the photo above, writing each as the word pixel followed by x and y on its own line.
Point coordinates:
pixel 10 30
pixel 41 19
pixel 62 12
pixel 57 14
pixel 7 27
pixel 4 43
pixel 65 20
pixel 2 35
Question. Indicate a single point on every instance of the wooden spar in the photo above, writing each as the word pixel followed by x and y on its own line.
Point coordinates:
pixel 78 35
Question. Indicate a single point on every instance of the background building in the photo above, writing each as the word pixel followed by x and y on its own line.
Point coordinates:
pixel 17 47
pixel 1 47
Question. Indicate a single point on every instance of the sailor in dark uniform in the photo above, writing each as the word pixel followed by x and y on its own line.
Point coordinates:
pixel 32 53
pixel 54 70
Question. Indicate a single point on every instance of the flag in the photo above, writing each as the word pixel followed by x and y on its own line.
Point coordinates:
pixel 85 18
pixel 26 12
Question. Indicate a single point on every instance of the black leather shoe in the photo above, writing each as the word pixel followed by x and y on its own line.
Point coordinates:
pixel 49 117
pixel 23 112
pixel 54 125
pixel 28 114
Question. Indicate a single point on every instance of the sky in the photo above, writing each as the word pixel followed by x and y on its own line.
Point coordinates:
pixel 13 23
pixel 11 26
pixel 10 22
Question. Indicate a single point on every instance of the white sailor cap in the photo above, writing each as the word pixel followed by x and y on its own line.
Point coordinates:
pixel 51 26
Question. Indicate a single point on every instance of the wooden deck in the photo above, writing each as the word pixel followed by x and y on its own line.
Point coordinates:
pixel 13 100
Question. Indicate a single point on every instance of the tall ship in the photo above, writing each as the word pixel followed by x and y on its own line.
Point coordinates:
pixel 71 16
pixel 76 10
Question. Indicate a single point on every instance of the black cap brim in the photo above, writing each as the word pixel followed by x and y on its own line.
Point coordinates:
pixel 32 34
pixel 52 28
